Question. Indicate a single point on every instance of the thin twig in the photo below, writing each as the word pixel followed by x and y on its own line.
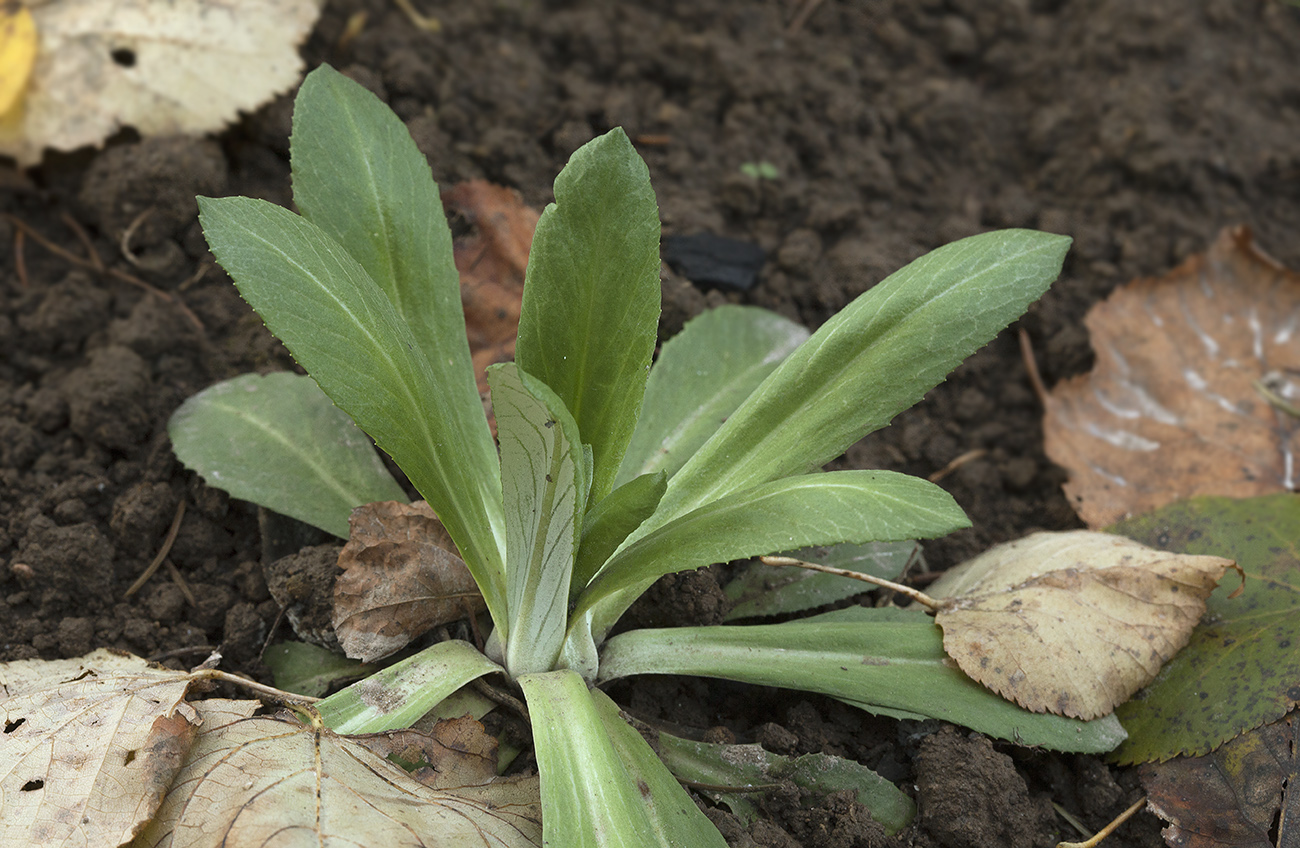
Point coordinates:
pixel 968 456
pixel 421 21
pixel 277 695
pixel 501 696
pixel 92 255
pixel 1031 366
pixel 179 580
pixel 1108 829
pixel 97 266
pixel 162 552
pixel 20 257
pixel 801 17
pixel 915 594
pixel 124 243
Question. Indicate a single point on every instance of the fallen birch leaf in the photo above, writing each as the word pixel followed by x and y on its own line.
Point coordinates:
pixel 1231 798
pixel 164 67
pixel 1072 623
pixel 1190 393
pixel 1241 668
pixel 491 261
pixel 17 56
pixel 268 781
pixel 402 578
pixel 89 747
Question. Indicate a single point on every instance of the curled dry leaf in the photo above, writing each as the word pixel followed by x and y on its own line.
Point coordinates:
pixel 89 747
pixel 1072 623
pixel 403 577
pixel 491 261
pixel 270 781
pixel 1231 797
pixel 164 68
pixel 1194 391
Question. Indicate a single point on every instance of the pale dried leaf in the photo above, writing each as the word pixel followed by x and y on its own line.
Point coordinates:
pixel 403 578
pixel 265 781
pixel 456 752
pixel 163 67
pixel 1072 623
pixel 89 747
pixel 1170 409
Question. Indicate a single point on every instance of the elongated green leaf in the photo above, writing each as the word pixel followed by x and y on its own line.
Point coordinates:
pixel 745 766
pixel 602 785
pixel 874 359
pixel 346 333
pixel 279 442
pixel 397 696
pixel 544 482
pixel 761 590
pixel 609 522
pixel 591 297
pixel 813 509
pixel 358 175
pixel 872 658
pixel 701 376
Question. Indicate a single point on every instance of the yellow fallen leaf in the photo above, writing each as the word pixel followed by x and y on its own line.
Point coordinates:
pixel 267 781
pixel 1072 623
pixel 164 67
pixel 89 747
pixel 17 54
pixel 1194 391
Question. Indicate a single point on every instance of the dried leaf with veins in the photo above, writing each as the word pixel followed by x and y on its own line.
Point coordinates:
pixel 1072 623
pixel 491 261
pixel 164 68
pixel 1194 391
pixel 89 747
pixel 266 781
pixel 455 752
pixel 403 578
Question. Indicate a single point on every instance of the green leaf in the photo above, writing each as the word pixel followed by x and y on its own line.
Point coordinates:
pixel 814 509
pixel 591 297
pixel 400 694
pixel 358 175
pixel 1241 668
pixel 279 442
pixel 882 660
pixel 762 590
pixel 609 522
pixel 875 358
pixel 339 325
pixel 702 374
pixel 309 669
pixel 544 482
pixel 745 766
pixel 602 785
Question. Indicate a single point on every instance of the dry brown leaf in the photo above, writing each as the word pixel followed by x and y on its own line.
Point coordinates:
pixel 89 747
pixel 403 578
pixel 163 67
pixel 456 752
pixel 1072 623
pixel 254 781
pixel 1170 409
pixel 491 261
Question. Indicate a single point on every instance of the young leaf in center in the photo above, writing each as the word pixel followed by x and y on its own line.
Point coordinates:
pixel 545 482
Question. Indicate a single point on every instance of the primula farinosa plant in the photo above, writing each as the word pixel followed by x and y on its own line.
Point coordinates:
pixel 608 472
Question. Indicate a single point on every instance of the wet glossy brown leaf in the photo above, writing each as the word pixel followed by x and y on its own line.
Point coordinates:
pixel 1231 797
pixel 491 261
pixel 1072 623
pixel 259 781
pixel 1173 407
pixel 403 577
pixel 455 752
pixel 89 747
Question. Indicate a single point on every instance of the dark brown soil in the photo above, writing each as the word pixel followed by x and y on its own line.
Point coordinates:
pixel 894 126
